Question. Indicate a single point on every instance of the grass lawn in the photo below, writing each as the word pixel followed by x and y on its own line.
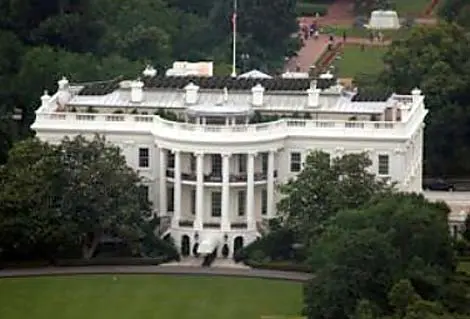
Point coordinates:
pixel 147 296
pixel 411 7
pixel 464 266
pixel 354 60
pixel 356 32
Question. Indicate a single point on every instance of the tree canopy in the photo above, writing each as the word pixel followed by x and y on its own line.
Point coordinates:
pixel 65 198
pixel 392 253
pixel 324 187
pixel 435 59
pixel 101 39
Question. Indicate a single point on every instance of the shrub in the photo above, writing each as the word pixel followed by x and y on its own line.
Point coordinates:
pixel 122 261
pixel 310 9
pixel 276 245
pixel 279 265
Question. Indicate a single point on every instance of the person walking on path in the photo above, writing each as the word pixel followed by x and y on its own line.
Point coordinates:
pixel 344 36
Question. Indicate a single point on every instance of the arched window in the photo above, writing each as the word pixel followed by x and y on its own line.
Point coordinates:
pixel 237 244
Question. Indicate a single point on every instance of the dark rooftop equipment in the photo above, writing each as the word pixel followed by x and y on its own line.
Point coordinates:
pixel 215 82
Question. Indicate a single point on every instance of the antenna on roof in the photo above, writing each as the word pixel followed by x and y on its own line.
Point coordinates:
pixel 234 39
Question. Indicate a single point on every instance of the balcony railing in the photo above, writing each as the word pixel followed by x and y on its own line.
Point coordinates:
pixel 217 178
pixel 211 225
pixel 239 225
pixel 186 223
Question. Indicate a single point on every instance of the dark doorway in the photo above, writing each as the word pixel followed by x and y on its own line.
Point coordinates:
pixel 237 244
pixel 185 245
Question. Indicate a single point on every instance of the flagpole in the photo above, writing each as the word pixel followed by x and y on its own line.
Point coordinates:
pixel 234 39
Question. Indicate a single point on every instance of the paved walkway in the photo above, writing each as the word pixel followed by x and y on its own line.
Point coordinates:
pixel 165 270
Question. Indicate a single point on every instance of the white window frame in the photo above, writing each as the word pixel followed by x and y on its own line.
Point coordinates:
pixel 295 162
pixel 216 204
pixel 383 169
pixel 264 202
pixel 216 169
pixel 193 201
pixel 241 200
pixel 143 160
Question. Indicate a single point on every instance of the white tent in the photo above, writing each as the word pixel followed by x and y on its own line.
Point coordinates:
pixel 255 74
pixel 382 20
pixel 208 244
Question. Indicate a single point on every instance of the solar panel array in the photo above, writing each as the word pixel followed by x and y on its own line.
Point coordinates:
pixel 215 82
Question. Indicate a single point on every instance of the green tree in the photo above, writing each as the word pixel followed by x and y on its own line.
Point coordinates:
pixel 361 253
pixel 324 187
pixel 427 59
pixel 102 194
pixel 402 296
pixel 73 193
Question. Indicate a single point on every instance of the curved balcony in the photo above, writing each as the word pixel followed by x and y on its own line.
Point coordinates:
pixel 212 225
pixel 240 178
pixel 216 135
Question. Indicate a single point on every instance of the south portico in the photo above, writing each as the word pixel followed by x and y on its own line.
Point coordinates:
pixel 217 183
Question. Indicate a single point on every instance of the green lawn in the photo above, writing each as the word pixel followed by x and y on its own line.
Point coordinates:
pixel 147 296
pixel 354 60
pixel 356 32
pixel 464 266
pixel 411 7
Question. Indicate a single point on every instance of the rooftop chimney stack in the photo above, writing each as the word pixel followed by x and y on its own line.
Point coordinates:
pixel 416 95
pixel 63 93
pixel 257 95
pixel 313 99
pixel 137 92
pixel 149 71
pixel 45 99
pixel 191 96
pixel 63 84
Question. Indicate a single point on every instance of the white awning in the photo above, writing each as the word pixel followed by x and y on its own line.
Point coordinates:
pixel 208 245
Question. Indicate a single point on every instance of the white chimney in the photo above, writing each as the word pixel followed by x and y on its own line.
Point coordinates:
pixel 191 96
pixel 149 71
pixel 257 95
pixel 64 95
pixel 45 99
pixel 137 92
pixel 416 95
pixel 63 84
pixel 313 93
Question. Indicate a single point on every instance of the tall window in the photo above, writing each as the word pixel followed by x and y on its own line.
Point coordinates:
pixel 170 199
pixel 242 163
pixel 216 164
pixel 264 202
pixel 144 157
pixel 192 163
pixel 384 164
pixel 264 163
pixel 170 160
pixel 193 201
pixel 295 162
pixel 216 202
pixel 241 203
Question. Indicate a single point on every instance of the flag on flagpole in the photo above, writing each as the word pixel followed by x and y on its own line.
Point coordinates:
pixel 234 20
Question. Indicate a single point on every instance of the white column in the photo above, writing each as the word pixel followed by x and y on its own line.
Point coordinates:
pixel 199 220
pixel 163 191
pixel 250 192
pixel 225 220
pixel 270 186
pixel 177 192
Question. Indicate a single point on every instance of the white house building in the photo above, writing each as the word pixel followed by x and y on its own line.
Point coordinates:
pixel 212 150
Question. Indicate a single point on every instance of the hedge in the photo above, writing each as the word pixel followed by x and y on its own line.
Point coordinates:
pixel 112 261
pixel 310 9
pixel 121 261
pixel 279 265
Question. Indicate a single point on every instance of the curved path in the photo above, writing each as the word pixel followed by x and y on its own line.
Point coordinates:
pixel 166 270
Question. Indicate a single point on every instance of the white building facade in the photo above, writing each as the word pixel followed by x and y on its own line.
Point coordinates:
pixel 212 151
